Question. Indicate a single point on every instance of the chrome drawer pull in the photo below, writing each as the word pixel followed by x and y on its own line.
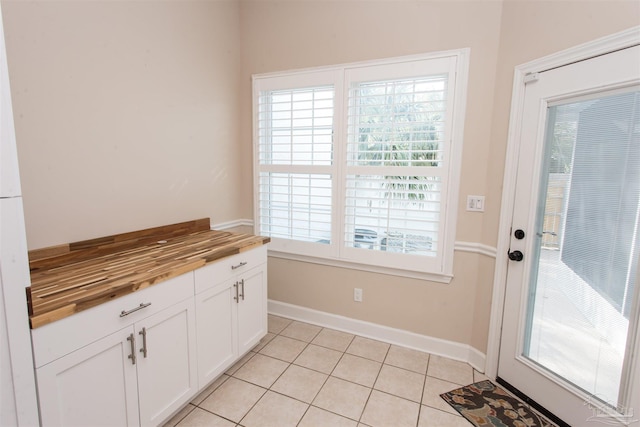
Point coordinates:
pixel 242 264
pixel 143 350
pixel 132 356
pixel 133 310
pixel 236 298
pixel 242 283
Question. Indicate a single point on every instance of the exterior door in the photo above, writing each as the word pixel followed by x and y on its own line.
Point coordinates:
pixel 570 323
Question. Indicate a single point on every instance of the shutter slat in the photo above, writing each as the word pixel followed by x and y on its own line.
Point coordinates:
pixel 396 137
pixel 296 126
pixel 296 206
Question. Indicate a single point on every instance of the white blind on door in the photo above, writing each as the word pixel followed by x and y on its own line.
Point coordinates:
pixel 597 145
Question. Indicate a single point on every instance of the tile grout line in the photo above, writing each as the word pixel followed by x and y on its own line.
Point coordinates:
pixel 274 381
pixel 307 344
pixel 329 376
pixel 372 388
pixel 292 364
pixel 424 386
pixel 374 383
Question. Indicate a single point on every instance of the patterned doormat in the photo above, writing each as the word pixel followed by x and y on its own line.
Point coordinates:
pixel 485 404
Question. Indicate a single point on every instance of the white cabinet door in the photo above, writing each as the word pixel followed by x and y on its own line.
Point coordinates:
pixel 216 331
pixel 252 308
pixel 166 352
pixel 95 385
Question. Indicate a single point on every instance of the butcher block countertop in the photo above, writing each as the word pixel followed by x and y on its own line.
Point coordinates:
pixel 69 278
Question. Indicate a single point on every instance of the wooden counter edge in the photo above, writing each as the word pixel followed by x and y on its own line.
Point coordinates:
pixel 180 228
pixel 38 320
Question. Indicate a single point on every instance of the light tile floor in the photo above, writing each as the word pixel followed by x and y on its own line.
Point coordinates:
pixel 308 376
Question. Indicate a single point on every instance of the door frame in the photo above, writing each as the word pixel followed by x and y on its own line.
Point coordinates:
pixel 523 73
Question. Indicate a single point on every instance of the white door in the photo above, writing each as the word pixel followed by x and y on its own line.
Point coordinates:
pixel 570 324
pixel 166 361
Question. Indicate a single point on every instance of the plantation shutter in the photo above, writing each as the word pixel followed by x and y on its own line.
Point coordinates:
pixel 357 165
pixel 295 149
pixel 397 147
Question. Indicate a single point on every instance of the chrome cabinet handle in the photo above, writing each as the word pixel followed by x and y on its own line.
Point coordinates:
pixel 242 294
pixel 236 298
pixel 133 310
pixel 242 264
pixel 143 350
pixel 132 341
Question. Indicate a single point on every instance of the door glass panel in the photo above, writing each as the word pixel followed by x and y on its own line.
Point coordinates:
pixel 587 243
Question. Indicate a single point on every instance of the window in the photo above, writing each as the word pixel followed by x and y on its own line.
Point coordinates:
pixel 358 165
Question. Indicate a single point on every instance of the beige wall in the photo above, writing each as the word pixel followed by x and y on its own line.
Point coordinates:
pixel 126 113
pixel 286 35
pixel 280 35
pixel 531 30
pixel 131 114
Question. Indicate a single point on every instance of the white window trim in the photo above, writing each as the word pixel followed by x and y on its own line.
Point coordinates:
pixel 445 274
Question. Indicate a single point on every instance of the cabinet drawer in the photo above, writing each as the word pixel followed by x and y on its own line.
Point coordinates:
pixel 228 268
pixel 59 338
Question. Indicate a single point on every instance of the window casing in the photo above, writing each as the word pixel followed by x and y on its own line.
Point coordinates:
pixel 358 165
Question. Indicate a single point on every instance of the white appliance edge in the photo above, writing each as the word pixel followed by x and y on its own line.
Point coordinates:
pixel 18 399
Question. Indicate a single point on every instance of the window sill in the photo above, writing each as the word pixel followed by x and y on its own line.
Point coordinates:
pixel 432 277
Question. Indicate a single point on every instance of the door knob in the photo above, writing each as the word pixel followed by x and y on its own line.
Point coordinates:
pixel 516 256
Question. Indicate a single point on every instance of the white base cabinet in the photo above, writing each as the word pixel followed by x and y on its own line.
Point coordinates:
pixel 95 385
pixel 231 306
pixel 166 361
pixel 136 360
pixel 252 308
pixel 217 332
pixel 139 375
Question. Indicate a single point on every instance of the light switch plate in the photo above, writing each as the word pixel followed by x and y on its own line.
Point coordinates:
pixel 475 203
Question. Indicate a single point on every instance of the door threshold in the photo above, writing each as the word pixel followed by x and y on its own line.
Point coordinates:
pixel 535 405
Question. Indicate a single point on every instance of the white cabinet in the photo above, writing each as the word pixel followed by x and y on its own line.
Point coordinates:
pixel 137 359
pixel 138 375
pixel 95 385
pixel 166 361
pixel 252 308
pixel 231 306
pixel 216 330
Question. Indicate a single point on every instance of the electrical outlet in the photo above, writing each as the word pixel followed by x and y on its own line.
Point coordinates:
pixel 357 294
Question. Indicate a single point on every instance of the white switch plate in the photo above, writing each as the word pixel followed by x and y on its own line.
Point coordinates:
pixel 357 294
pixel 475 203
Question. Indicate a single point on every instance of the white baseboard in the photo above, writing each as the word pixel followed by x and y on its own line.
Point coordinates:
pixel 437 346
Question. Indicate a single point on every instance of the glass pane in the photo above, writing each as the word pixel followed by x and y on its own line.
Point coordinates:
pixel 397 122
pixel 295 206
pixel 393 213
pixel 587 243
pixel 296 126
